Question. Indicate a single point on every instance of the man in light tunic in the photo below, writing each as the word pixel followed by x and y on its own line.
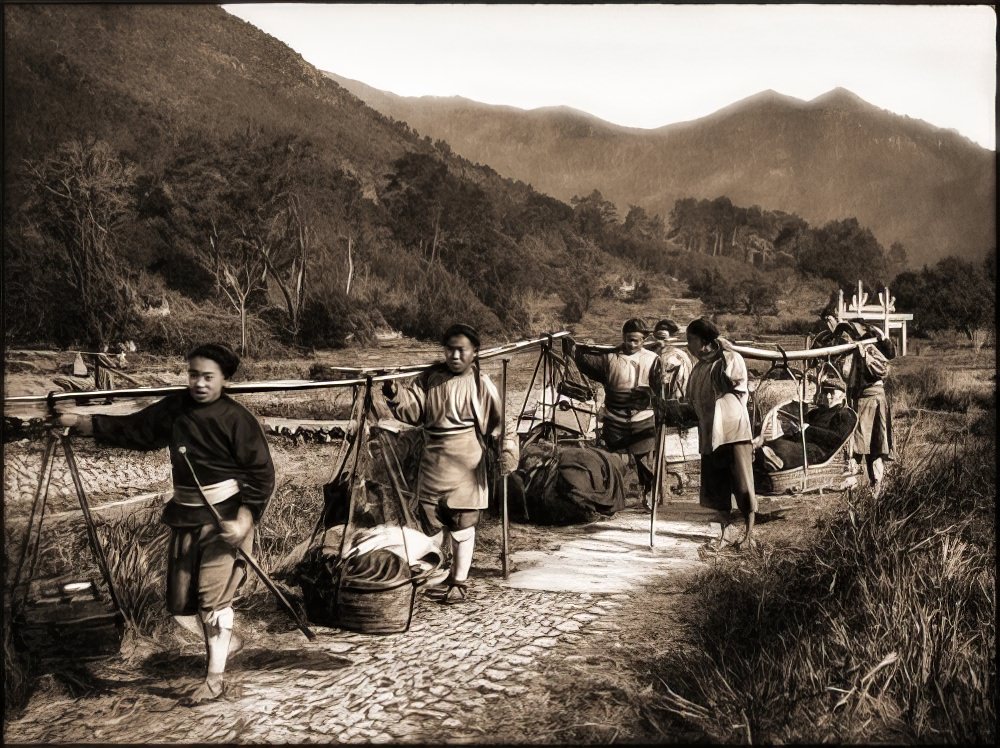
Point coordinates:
pixel 718 392
pixel 631 378
pixel 458 406
pixel 674 362
pixel 872 440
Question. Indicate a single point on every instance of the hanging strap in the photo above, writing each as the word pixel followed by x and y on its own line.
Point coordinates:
pixel 345 454
pixel 356 481
pixel 359 439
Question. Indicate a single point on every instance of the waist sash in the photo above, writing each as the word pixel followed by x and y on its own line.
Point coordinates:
pixel 216 493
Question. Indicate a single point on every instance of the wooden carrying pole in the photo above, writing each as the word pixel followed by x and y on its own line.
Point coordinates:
pixel 504 517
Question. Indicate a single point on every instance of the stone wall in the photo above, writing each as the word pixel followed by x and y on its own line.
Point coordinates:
pixel 107 473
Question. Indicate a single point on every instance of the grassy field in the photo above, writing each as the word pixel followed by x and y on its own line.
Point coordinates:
pixel 857 619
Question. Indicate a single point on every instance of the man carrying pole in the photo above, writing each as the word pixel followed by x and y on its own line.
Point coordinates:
pixel 208 432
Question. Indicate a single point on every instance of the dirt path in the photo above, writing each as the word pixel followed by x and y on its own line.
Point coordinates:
pixel 414 687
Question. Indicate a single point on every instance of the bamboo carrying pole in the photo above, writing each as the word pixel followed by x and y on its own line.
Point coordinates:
pixel 762 354
pixel 504 517
pixel 361 376
pixel 247 388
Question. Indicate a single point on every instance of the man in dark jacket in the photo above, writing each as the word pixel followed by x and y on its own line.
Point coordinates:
pixel 229 454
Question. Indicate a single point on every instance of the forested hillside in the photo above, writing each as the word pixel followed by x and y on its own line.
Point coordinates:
pixel 182 173
pixel 831 158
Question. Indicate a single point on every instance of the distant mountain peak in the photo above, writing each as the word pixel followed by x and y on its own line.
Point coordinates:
pixel 768 97
pixel 840 97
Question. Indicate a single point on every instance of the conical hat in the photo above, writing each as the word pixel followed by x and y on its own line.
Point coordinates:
pixel 79 368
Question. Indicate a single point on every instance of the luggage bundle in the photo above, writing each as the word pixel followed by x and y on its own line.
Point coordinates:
pixel 564 485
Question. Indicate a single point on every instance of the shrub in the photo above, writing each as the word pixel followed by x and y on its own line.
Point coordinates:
pixel 572 311
pixel 331 321
pixel 190 323
pixel 440 299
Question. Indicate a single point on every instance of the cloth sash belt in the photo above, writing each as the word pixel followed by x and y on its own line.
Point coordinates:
pixel 627 415
pixel 216 493
pixel 438 431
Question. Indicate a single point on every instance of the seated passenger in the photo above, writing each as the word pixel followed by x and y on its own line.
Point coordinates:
pixel 827 426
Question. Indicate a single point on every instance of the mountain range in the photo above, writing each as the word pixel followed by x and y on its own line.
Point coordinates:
pixel 833 157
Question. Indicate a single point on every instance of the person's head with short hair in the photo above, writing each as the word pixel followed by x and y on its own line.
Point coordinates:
pixel 461 345
pixel 634 334
pixel 665 329
pixel 832 393
pixel 210 367
pixel 701 334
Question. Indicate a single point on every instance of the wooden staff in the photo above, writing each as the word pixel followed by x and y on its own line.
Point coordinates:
pixel 657 470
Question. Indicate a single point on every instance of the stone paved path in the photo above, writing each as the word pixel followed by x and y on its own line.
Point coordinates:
pixel 411 687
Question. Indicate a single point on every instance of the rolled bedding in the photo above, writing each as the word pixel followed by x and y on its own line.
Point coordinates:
pixel 376 570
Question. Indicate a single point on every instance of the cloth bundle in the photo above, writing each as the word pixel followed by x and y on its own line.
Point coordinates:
pixel 572 486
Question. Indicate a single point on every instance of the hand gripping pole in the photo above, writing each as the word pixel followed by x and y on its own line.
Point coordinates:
pixel 251 561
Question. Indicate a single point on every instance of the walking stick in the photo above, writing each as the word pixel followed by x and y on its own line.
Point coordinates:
pixel 657 475
pixel 504 518
pixel 251 561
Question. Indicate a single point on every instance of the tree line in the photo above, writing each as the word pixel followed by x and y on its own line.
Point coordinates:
pixel 252 237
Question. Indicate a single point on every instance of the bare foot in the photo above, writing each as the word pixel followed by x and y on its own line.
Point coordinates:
pixel 207 692
pixel 745 544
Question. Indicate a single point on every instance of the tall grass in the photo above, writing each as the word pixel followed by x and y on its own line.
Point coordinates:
pixel 883 628
pixel 135 547
pixel 933 387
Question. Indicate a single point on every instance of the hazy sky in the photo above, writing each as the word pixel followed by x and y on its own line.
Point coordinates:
pixel 652 65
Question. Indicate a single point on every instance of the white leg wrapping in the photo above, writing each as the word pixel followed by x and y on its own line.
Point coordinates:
pixel 878 469
pixel 460 536
pixel 218 619
pixel 463 542
pixel 218 634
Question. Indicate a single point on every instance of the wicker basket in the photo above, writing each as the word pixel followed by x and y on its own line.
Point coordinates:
pixel 834 473
pixel 376 611
pixel 360 606
pixel 64 618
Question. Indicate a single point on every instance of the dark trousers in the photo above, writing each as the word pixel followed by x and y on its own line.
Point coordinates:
pixel 727 473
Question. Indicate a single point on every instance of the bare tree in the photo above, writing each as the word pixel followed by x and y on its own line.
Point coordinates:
pixel 81 199
pixel 284 244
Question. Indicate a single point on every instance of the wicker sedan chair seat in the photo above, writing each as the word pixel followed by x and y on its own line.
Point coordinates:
pixel 834 471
